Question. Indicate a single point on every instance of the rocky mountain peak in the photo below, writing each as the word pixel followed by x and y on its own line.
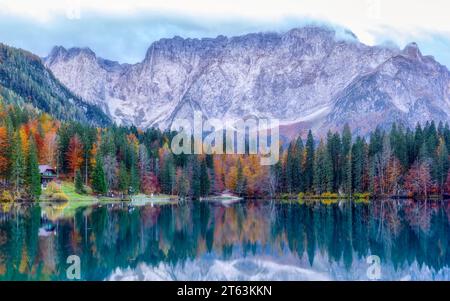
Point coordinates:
pixel 412 50
pixel 312 77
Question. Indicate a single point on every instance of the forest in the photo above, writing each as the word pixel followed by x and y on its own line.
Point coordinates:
pixel 127 161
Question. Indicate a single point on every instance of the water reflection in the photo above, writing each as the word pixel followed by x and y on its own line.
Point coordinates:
pixel 246 241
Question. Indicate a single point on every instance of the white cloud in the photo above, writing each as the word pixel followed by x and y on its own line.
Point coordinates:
pixel 371 20
pixel 359 15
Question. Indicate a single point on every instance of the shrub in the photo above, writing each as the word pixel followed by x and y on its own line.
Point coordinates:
pixel 285 196
pixel 6 197
pixel 52 188
pixel 59 197
pixel 329 195
pixel 365 195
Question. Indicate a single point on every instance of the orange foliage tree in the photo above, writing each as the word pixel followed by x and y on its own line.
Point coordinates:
pixel 447 183
pixel 4 146
pixel 74 155
pixel 418 179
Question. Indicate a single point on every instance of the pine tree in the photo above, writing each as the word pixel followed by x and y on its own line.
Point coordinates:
pixel 441 165
pixel 98 177
pixel 204 179
pixel 334 155
pixel 168 174
pixel 33 177
pixel 347 159
pixel 293 169
pixel 182 183
pixel 135 183
pixel 79 187
pixel 195 182
pixel 320 177
pixel 124 180
pixel 309 162
pixel 134 180
pixel 358 165
pixel 17 163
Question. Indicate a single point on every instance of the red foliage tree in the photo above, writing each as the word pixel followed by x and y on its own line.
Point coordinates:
pixel 4 145
pixel 447 183
pixel 418 180
pixel 149 183
pixel 74 155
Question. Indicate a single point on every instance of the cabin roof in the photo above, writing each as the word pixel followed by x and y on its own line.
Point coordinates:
pixel 44 168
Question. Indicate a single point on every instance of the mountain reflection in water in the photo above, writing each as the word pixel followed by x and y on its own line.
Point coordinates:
pixel 255 240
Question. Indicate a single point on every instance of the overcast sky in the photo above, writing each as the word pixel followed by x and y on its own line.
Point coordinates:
pixel 123 30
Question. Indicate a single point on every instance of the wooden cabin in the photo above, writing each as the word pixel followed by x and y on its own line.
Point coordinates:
pixel 48 174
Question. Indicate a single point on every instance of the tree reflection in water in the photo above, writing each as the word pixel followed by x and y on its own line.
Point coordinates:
pixel 329 238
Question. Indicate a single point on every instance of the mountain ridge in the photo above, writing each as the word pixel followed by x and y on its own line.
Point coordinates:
pixel 25 80
pixel 298 77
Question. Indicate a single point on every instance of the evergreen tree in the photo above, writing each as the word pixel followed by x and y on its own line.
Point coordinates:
pixel 309 162
pixel 134 180
pixel 168 174
pixel 195 182
pixel 33 176
pixel 323 170
pixel 334 155
pixel 79 187
pixel 347 159
pixel 182 184
pixel 98 177
pixel 204 179
pixel 276 177
pixel 17 163
pixel 294 181
pixel 398 144
pixel 124 180
pixel 357 165
pixel 441 164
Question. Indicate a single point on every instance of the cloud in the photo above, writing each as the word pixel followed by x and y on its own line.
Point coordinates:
pixel 123 30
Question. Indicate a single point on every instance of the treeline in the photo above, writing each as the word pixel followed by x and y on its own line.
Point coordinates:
pixel 400 162
pixel 127 160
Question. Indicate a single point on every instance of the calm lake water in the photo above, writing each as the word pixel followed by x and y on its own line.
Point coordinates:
pixel 256 240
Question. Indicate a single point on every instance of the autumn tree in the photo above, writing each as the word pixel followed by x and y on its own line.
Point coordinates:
pixel 4 153
pixel 241 181
pixel 418 180
pixel 74 155
pixel 447 183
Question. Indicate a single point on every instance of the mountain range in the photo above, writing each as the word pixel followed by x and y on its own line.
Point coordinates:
pixel 308 77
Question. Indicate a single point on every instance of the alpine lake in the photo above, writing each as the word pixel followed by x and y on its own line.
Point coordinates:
pixel 214 240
